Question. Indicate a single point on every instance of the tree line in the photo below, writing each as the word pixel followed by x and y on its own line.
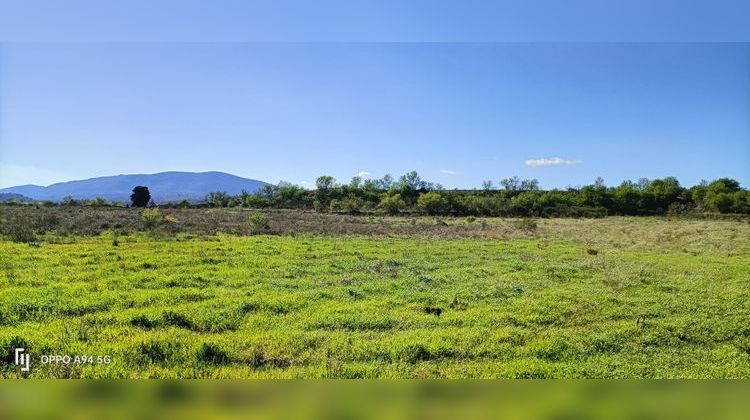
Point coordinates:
pixel 410 194
pixel 510 197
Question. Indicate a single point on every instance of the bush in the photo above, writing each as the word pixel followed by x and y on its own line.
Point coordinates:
pixel 258 222
pixel 352 205
pixel 20 229
pixel 47 222
pixel 171 220
pixel 392 204
pixel 152 217
pixel 432 203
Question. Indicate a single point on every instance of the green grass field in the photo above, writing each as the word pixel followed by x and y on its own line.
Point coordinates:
pixel 615 297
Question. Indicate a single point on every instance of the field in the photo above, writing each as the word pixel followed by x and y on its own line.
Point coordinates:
pixel 331 296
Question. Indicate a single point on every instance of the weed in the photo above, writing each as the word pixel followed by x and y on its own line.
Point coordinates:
pixel 432 310
pixel 142 321
pixel 152 217
pixel 258 222
pixel 156 351
pixel 527 225
pixel 414 353
pixel 212 354
pixel 175 319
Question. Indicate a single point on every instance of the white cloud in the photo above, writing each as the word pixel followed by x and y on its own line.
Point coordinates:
pixel 550 161
pixel 364 174
pixel 448 172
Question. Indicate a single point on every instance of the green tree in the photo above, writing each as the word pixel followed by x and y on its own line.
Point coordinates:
pixel 724 185
pixel 660 193
pixel 626 198
pixel 325 183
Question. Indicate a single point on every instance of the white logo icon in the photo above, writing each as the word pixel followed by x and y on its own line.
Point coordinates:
pixel 22 359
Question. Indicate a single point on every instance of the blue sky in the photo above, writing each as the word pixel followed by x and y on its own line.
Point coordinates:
pixel 458 113
pixel 374 20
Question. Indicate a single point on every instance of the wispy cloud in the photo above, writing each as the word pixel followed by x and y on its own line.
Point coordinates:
pixel 551 161
pixel 448 172
pixel 364 174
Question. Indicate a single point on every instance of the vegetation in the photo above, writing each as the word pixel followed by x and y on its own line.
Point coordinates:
pixel 516 198
pixel 326 295
pixel 140 197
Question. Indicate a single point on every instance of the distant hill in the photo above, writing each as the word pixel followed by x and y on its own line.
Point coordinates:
pixel 6 197
pixel 164 186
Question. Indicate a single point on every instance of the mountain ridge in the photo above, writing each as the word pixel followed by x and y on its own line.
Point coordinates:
pixel 163 186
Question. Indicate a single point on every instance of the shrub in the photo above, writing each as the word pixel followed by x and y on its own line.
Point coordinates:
pixel 392 204
pixel 432 203
pixel 258 222
pixel 20 229
pixel 471 219
pixel 152 217
pixel 97 202
pixel 171 220
pixel 47 222
pixel 352 205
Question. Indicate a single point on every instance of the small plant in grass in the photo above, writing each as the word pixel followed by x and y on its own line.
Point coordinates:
pixel 156 351
pixel 433 310
pixel 152 217
pixel 414 353
pixel 177 320
pixel 471 219
pixel 142 321
pixel 458 304
pixel 171 220
pixel 528 225
pixel 258 222
pixel 212 354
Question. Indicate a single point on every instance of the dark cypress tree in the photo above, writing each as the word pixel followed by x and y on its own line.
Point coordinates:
pixel 140 197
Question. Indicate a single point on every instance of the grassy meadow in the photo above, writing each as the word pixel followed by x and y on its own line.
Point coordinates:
pixel 326 296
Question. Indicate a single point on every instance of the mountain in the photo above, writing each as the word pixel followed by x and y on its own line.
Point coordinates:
pixel 6 197
pixel 164 186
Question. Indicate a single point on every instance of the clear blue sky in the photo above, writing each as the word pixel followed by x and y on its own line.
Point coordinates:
pixel 458 113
